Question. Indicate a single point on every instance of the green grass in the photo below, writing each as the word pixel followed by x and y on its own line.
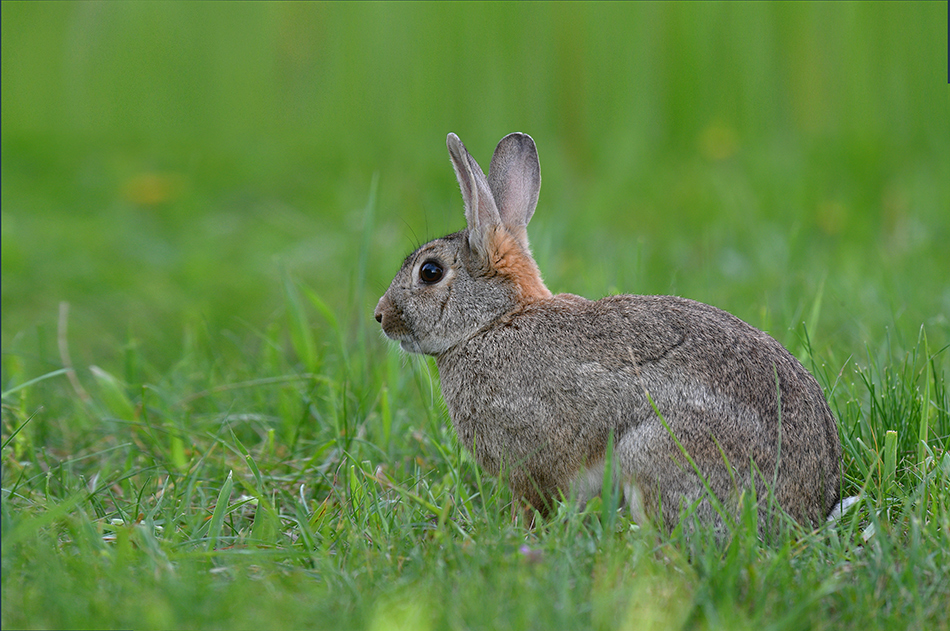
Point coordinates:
pixel 202 427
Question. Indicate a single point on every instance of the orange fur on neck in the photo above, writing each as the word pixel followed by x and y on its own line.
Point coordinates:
pixel 511 259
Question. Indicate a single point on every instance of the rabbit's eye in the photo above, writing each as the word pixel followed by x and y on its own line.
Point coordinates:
pixel 430 272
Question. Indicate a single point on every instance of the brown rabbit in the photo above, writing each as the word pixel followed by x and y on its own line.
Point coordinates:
pixel 538 385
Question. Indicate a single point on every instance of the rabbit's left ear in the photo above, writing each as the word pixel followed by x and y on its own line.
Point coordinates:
pixel 481 214
pixel 514 177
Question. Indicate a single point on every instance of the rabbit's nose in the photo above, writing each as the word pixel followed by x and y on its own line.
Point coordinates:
pixel 381 306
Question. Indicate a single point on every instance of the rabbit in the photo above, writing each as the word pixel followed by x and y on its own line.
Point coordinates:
pixel 542 387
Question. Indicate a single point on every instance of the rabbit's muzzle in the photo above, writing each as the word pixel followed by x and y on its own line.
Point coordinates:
pixel 394 326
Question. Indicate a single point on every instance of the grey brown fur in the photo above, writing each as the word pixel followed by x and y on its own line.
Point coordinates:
pixel 538 384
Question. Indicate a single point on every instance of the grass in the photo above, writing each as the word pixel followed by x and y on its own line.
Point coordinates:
pixel 212 498
pixel 201 426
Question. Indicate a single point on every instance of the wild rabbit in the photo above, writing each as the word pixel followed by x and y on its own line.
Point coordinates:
pixel 538 385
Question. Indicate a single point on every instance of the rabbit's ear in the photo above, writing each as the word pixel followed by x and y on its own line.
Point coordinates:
pixel 480 210
pixel 514 177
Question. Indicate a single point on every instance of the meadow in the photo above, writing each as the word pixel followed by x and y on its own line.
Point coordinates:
pixel 202 426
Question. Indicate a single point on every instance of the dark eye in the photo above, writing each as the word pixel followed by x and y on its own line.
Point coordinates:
pixel 430 272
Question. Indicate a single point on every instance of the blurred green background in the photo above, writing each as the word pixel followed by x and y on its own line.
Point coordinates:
pixel 162 162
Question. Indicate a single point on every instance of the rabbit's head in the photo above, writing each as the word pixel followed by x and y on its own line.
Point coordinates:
pixel 450 288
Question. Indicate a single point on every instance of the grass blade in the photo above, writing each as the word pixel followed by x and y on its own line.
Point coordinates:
pixel 113 394
pixel 890 462
pixel 301 336
pixel 924 427
pixel 17 431
pixel 33 525
pixel 220 510
pixel 27 384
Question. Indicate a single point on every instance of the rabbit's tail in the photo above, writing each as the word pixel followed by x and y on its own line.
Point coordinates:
pixel 841 508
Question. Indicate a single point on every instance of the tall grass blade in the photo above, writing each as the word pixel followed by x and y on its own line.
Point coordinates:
pixel 369 225
pixel 113 394
pixel 301 336
pixel 220 510
pixel 924 428
pixel 328 315
pixel 890 462
pixel 385 415
pixel 804 350
pixel 27 384
pixel 17 431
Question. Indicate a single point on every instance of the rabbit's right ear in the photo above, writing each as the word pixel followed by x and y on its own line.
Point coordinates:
pixel 480 210
pixel 514 177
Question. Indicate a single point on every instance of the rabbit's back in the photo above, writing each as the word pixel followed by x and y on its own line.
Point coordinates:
pixel 543 389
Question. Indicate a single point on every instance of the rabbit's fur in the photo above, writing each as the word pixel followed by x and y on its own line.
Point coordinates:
pixel 538 385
